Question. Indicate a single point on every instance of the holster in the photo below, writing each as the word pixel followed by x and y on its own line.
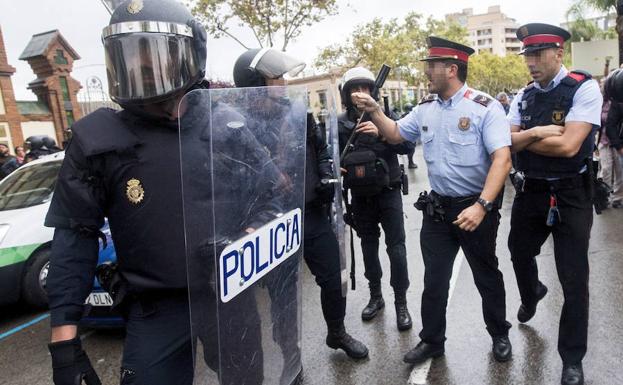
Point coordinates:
pixel 404 180
pixel 430 205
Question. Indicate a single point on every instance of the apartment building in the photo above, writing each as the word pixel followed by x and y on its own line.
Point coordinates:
pixel 489 32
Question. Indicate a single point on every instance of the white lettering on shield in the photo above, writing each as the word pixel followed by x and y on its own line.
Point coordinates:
pixel 250 258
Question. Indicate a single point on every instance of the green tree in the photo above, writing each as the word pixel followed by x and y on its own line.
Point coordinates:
pixel 271 21
pixel 399 44
pixel 492 74
pixel 608 6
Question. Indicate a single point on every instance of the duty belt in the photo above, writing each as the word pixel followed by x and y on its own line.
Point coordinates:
pixel 447 201
pixel 541 185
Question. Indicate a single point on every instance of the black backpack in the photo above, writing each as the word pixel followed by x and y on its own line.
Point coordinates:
pixel 366 174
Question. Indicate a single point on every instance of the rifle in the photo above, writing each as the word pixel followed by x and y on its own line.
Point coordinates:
pixel 378 84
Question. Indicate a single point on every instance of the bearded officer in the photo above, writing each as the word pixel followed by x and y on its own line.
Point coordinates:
pixel 553 120
pixel 466 140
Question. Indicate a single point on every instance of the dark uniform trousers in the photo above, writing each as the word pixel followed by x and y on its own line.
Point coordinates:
pixel 322 255
pixel 385 209
pixel 160 349
pixel 571 238
pixel 440 242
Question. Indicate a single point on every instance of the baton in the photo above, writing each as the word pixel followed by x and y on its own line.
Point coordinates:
pixel 378 84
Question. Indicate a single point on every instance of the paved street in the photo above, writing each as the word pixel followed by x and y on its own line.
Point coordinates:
pixel 468 361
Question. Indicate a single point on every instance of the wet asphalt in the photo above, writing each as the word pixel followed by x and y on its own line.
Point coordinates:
pixel 24 359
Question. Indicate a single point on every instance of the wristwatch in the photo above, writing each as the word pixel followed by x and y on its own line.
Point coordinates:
pixel 486 204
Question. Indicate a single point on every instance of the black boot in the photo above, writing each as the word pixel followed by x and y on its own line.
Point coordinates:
pixel 572 374
pixel 375 304
pixel 337 338
pixel 403 318
pixel 412 164
pixel 526 312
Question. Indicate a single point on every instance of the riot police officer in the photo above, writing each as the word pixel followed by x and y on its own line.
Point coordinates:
pixel 466 141
pixel 267 67
pixel 114 168
pixel 40 145
pixel 553 121
pixel 376 201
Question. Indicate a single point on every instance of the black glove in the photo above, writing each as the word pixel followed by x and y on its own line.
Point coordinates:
pixel 326 190
pixel 70 364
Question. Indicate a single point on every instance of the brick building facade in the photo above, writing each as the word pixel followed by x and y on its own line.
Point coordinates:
pixel 51 59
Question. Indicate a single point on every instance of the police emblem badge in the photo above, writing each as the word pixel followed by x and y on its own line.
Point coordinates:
pixel 464 123
pixel 134 191
pixel 135 6
pixel 558 117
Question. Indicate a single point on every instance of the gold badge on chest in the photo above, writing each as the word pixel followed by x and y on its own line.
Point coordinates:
pixel 558 117
pixel 464 123
pixel 134 191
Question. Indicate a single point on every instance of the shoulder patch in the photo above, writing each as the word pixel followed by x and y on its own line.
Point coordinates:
pixel 429 98
pixel 479 98
pixel 580 75
pixel 575 77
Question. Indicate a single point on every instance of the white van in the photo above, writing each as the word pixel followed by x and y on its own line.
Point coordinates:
pixel 25 242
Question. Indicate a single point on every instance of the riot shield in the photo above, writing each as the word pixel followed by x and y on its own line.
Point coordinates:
pixel 243 173
pixel 337 209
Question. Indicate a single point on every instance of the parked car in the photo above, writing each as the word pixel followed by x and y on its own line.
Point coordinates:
pixel 25 243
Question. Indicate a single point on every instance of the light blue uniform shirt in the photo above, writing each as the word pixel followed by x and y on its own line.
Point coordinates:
pixel 586 105
pixel 458 137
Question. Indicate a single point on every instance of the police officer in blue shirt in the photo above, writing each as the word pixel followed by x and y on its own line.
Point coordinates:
pixel 466 141
pixel 552 121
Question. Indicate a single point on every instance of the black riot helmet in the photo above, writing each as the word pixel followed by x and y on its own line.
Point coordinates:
pixel 154 50
pixel 255 65
pixel 614 86
pixel 34 143
pixel 355 77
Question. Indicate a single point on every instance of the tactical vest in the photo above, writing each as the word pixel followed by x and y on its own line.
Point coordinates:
pixel 134 167
pixel 134 170
pixel 383 151
pixel 539 108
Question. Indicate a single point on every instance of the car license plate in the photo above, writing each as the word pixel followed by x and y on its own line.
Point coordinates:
pixel 99 299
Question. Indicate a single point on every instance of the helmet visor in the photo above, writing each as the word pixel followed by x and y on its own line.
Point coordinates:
pixel 143 67
pixel 275 64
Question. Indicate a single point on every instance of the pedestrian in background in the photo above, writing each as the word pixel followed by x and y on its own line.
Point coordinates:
pixel 502 97
pixel 611 148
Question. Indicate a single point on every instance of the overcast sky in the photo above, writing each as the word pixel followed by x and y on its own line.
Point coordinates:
pixel 81 22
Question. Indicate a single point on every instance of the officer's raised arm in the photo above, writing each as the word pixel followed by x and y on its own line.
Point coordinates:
pixel 387 127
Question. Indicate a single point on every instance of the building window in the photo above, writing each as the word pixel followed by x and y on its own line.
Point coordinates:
pixel 60 57
pixel 322 98
pixel 70 118
pixel 64 88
